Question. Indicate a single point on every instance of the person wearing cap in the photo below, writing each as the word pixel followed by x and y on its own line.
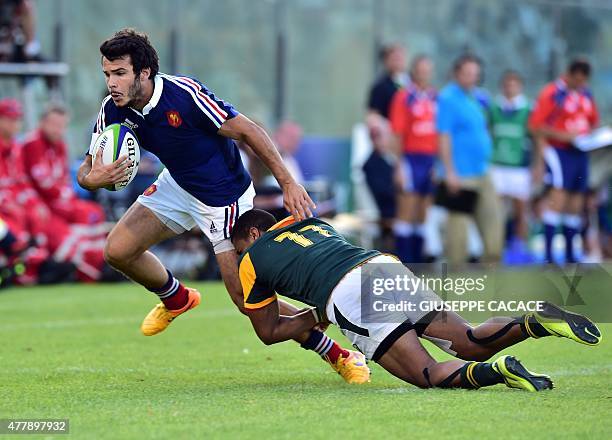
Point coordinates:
pixel 16 235
pixel 27 215
pixel 46 164
pixel 11 179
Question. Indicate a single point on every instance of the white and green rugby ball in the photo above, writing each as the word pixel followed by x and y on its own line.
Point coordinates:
pixel 117 140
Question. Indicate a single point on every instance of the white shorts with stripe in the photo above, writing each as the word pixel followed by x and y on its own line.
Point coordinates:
pixel 373 339
pixel 181 211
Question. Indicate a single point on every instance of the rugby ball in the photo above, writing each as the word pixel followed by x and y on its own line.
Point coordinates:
pixel 115 141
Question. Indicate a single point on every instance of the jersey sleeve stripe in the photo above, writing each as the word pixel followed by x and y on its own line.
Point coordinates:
pixel 198 89
pixel 285 222
pixel 215 119
pixel 260 304
pixel 246 273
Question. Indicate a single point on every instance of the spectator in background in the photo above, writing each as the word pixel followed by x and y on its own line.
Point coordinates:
pixel 597 231
pixel 27 215
pixel 256 168
pixel 25 224
pixel 565 109
pixel 378 170
pixel 15 236
pixel 18 41
pixel 288 137
pixel 392 79
pixel 46 163
pixel 465 152
pixel 508 117
pixel 413 121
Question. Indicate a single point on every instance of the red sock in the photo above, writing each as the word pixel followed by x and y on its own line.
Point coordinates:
pixel 335 351
pixel 178 299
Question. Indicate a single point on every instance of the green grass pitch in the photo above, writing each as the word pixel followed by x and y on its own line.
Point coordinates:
pixel 76 352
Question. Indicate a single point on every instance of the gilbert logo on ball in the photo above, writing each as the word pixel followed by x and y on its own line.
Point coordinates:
pixel 115 141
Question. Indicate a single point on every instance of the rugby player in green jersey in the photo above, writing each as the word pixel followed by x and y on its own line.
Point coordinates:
pixel 310 262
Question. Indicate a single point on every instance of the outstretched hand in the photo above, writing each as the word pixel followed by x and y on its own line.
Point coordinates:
pixel 297 201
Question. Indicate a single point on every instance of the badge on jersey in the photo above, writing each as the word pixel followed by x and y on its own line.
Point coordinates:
pixel 150 190
pixel 174 119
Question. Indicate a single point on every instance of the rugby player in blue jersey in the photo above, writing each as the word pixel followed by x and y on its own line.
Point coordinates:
pixel 204 183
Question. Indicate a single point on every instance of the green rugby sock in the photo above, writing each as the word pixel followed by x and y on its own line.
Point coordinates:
pixel 531 327
pixel 479 374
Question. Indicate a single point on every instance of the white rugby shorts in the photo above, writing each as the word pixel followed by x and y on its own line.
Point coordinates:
pixel 512 181
pixel 373 339
pixel 181 211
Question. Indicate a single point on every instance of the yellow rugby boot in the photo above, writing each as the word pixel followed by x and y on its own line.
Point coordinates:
pixel 561 323
pixel 353 368
pixel 160 317
pixel 517 376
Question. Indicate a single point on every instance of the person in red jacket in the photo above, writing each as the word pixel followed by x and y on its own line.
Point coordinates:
pixel 27 215
pixel 46 163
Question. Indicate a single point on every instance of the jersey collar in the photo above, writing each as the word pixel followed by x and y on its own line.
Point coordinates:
pixel 516 103
pixel 285 222
pixel 158 87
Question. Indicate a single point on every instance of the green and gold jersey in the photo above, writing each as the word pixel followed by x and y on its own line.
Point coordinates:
pixel 509 129
pixel 300 260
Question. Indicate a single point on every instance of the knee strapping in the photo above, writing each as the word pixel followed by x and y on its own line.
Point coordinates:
pixel 446 383
pixel 426 374
pixel 495 336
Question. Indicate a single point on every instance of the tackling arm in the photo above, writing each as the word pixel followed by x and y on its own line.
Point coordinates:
pixel 272 327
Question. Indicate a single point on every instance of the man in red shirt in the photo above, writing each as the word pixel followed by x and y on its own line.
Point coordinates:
pixel 26 214
pixel 46 163
pixel 565 109
pixel 413 116
pixel 18 205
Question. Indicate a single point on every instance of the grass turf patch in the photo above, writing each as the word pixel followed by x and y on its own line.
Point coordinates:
pixel 76 352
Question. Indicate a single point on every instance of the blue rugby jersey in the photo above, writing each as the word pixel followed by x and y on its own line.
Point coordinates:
pixel 179 125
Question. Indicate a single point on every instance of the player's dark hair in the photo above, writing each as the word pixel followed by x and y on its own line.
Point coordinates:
pixel 579 65
pixel 255 218
pixel 388 49
pixel 135 44
pixel 464 59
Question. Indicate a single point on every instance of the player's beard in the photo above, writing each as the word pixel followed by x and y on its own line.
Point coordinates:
pixel 135 94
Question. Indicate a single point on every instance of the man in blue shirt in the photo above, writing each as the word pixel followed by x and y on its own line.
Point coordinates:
pixel 465 151
pixel 204 184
